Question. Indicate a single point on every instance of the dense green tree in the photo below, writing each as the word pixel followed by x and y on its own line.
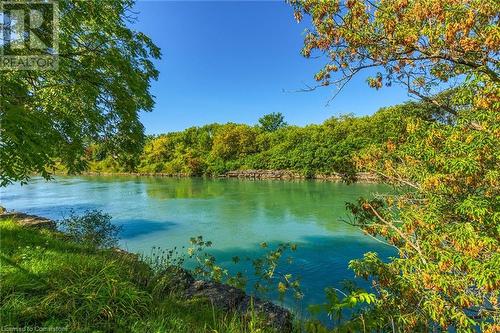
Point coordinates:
pixel 272 121
pixel 101 84
pixel 316 149
pixel 445 224
pixel 234 141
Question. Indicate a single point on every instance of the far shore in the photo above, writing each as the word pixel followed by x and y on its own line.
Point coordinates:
pixel 360 177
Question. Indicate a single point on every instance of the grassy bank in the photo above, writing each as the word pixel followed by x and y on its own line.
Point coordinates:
pixel 50 281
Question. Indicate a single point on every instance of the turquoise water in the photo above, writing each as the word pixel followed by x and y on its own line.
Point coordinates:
pixel 236 215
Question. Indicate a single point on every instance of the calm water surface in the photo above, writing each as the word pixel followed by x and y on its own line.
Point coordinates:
pixel 236 215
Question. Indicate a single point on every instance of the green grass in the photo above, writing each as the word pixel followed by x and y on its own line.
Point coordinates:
pixel 49 281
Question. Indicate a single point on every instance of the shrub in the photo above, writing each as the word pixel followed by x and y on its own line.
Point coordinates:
pixel 92 228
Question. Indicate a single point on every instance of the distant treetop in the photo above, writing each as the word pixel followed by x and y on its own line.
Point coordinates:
pixel 272 121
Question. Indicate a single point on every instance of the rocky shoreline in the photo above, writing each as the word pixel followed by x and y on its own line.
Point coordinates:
pixel 362 177
pixel 182 282
pixel 30 221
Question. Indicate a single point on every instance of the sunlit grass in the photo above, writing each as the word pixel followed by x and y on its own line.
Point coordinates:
pixel 48 281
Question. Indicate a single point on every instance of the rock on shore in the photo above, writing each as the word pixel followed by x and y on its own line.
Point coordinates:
pixel 232 299
pixel 31 221
pixel 365 177
pixel 287 174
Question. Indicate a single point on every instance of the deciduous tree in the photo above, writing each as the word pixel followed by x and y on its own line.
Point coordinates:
pixel 101 84
pixel 272 121
pixel 445 225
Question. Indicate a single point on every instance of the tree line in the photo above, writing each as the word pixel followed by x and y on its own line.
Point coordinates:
pixel 272 144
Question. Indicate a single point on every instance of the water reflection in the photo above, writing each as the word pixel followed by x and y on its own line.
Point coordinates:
pixel 235 214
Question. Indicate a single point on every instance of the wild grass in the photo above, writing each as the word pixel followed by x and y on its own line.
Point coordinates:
pixel 47 280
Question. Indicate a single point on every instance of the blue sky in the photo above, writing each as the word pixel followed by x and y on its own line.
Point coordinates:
pixel 234 61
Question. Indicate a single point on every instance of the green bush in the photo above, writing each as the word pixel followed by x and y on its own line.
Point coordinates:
pixel 92 228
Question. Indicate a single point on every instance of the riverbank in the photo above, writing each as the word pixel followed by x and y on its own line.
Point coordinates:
pixel 50 281
pixel 361 177
pixel 364 177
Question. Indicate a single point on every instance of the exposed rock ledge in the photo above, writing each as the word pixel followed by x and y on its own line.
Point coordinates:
pixel 287 174
pixel 229 298
pixel 31 221
pixel 181 281
pixel 364 177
